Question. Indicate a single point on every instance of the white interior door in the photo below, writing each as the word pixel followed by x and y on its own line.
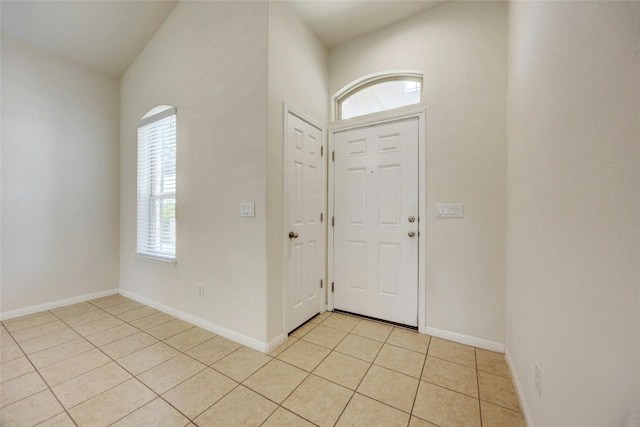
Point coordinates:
pixel 304 224
pixel 376 221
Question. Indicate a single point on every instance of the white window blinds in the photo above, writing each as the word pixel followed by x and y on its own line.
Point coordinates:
pixel 156 213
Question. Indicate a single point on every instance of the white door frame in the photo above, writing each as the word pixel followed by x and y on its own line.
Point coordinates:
pixel 422 195
pixel 287 109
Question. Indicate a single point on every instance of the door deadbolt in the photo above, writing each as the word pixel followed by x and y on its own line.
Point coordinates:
pixel 293 235
pixel 412 219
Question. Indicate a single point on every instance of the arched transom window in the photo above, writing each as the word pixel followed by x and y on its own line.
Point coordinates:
pixel 379 92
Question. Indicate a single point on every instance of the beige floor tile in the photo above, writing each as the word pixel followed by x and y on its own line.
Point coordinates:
pixel 400 359
pixel 451 375
pixel 47 341
pixel 282 347
pixel 139 313
pixel 112 334
pixel 169 374
pixel 360 347
pixel 152 321
pixel 145 359
pixel 417 422
pixel 31 410
pixel 88 317
pixel 190 338
pixel 453 352
pixel 72 367
pixel 283 418
pixel 60 352
pixel 199 392
pixel 320 317
pixel 492 362
pixel 115 403
pixel 24 322
pixel 340 321
pixel 20 387
pixel 362 411
pixel 60 420
pixel 240 364
pixel 390 387
pixel 498 390
pixel 169 329
pixel 497 416
pixel 325 336
pixel 126 346
pixel 84 387
pixel 318 400
pixel 342 369
pixel 15 368
pixel 74 310
pixel 276 380
pixel 374 330
pixel 303 330
pixel 412 340
pixel 10 352
pixel 304 355
pixel 157 413
pixel 241 407
pixel 96 326
pixel 109 301
pixel 122 308
pixel 5 338
pixel 445 407
pixel 213 350
pixel 39 331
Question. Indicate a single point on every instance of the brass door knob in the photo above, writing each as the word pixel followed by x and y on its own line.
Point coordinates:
pixel 293 235
pixel 412 234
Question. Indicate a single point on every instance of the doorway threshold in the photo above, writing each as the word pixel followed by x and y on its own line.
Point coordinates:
pixel 375 319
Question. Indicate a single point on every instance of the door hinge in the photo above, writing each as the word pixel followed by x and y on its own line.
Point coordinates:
pixel 333 221
pixel 320 283
pixel 333 156
pixel 321 216
pixel 322 151
pixel 332 286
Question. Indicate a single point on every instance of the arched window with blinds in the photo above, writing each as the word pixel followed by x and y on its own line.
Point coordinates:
pixel 156 207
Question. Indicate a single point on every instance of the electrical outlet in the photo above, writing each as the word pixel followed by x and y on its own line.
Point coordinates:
pixel 538 379
pixel 200 289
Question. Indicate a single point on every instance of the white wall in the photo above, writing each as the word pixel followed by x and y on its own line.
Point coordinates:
pixel 298 76
pixel 461 47
pixel 59 179
pixel 209 59
pixel 573 230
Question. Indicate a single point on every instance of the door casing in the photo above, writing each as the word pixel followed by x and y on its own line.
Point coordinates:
pixel 370 121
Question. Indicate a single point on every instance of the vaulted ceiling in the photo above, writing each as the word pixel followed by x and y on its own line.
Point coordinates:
pixel 109 35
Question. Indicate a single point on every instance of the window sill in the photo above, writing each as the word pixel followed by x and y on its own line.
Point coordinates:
pixel 158 260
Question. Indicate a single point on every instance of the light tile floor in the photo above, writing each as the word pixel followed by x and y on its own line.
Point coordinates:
pixel 113 361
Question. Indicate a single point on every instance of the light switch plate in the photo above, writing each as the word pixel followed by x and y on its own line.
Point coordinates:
pixel 248 209
pixel 455 210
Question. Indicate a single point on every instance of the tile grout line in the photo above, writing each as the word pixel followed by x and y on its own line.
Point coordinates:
pixel 49 389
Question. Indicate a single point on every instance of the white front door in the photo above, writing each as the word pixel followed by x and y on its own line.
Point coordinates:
pixel 305 249
pixel 376 221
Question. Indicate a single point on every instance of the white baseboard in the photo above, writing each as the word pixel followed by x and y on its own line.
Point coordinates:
pixel 274 343
pixel 56 304
pixel 211 327
pixel 523 403
pixel 466 339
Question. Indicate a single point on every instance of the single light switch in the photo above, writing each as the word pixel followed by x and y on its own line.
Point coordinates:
pixel 248 209
pixel 450 210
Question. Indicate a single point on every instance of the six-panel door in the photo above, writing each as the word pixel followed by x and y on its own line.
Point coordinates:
pixel 376 221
